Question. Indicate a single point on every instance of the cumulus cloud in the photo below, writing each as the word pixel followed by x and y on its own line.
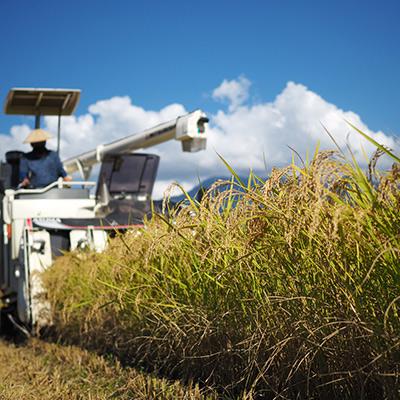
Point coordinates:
pixel 253 136
pixel 236 92
pixel 296 118
pixel 13 141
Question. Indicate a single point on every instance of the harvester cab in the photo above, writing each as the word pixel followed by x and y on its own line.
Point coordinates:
pixel 39 224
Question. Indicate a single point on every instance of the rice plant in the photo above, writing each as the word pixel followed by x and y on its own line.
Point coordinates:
pixel 285 288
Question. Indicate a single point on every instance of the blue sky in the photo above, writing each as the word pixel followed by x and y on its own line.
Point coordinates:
pixel 164 52
pixel 160 52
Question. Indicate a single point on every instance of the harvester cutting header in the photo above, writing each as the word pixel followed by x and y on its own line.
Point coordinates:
pixel 38 223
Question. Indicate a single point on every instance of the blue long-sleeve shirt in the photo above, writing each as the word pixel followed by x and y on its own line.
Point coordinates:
pixel 41 171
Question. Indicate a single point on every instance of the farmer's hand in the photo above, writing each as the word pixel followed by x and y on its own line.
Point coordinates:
pixel 25 183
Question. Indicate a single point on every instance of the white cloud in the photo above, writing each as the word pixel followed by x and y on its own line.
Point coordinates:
pixel 236 92
pixel 14 140
pixel 245 135
pixel 293 119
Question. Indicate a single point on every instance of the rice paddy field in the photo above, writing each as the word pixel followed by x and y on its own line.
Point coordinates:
pixel 287 288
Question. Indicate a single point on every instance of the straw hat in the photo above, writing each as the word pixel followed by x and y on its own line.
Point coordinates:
pixel 37 135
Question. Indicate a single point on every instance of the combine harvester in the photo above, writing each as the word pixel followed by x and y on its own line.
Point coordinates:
pixel 39 224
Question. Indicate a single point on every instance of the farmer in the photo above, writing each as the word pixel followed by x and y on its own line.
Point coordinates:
pixel 41 166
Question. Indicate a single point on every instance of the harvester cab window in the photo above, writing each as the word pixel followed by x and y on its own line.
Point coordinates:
pixel 129 179
pixel 130 174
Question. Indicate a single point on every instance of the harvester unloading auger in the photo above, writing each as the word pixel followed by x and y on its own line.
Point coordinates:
pixel 38 224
